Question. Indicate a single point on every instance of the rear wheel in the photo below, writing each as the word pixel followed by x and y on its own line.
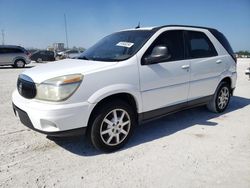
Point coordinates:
pixel 112 126
pixel 220 99
pixel 19 63
pixel 39 60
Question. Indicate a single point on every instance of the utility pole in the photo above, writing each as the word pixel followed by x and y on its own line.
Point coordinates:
pixel 3 36
pixel 66 32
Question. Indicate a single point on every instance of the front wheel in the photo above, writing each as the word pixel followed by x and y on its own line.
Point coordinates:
pixel 112 126
pixel 220 99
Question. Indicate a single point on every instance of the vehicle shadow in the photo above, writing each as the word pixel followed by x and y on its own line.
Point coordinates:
pixel 155 129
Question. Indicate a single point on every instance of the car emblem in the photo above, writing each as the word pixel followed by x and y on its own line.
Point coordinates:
pixel 20 88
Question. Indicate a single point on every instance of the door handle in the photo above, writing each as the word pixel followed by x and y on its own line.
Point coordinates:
pixel 185 66
pixel 218 61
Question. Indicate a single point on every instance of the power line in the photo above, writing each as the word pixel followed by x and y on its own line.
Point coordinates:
pixel 66 32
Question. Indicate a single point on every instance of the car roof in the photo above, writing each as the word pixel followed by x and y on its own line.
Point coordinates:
pixel 189 26
pixel 10 46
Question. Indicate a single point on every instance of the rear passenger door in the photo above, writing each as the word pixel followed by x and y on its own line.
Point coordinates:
pixel 206 65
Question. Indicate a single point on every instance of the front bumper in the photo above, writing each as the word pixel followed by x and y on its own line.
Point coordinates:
pixel 51 118
pixel 24 118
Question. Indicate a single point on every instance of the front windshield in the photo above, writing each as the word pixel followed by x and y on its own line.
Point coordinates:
pixel 118 46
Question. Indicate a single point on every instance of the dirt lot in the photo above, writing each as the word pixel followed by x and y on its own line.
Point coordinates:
pixel 193 148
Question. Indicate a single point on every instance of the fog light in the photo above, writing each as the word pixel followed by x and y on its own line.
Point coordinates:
pixel 48 125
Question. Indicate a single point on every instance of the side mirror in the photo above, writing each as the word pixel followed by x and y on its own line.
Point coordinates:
pixel 159 54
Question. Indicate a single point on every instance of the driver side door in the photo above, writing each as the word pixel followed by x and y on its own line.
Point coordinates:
pixel 165 84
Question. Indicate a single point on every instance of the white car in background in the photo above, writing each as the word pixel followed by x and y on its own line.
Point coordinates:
pixel 126 78
pixel 69 54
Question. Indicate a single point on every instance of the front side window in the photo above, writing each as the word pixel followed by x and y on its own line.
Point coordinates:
pixel 199 45
pixel 173 40
pixel 118 46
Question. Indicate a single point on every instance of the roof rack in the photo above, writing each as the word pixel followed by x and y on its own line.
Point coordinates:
pixel 200 27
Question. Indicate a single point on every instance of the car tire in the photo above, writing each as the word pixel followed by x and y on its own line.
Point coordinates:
pixel 112 126
pixel 39 60
pixel 220 99
pixel 19 63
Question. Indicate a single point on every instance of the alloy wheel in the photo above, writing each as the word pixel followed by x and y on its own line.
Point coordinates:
pixel 115 127
pixel 20 64
pixel 223 98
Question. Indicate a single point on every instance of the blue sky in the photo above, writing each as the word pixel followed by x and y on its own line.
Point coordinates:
pixel 33 23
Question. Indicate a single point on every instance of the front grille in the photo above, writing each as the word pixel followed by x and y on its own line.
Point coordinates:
pixel 26 87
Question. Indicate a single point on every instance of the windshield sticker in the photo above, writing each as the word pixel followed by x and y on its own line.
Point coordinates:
pixel 125 44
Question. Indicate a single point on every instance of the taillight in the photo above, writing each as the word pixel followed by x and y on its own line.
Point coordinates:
pixel 27 53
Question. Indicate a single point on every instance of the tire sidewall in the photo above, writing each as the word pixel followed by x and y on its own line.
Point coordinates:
pixel 98 119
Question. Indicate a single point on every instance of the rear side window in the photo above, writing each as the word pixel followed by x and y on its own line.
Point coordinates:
pixel 199 45
pixel 50 53
pixel 17 50
pixel 10 50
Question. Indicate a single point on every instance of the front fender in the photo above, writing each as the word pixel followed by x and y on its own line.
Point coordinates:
pixel 116 89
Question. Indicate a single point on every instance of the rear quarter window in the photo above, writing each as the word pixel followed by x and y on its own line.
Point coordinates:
pixel 224 42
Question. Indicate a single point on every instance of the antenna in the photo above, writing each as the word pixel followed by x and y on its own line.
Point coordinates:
pixel 3 35
pixel 66 32
pixel 138 26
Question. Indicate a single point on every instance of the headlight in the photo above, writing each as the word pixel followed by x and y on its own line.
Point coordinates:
pixel 59 88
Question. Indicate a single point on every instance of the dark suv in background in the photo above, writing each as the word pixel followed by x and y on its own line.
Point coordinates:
pixel 43 55
pixel 15 56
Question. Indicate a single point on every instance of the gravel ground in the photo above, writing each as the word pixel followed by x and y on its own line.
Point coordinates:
pixel 192 148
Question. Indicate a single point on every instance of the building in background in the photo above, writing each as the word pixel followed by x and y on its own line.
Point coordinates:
pixel 58 46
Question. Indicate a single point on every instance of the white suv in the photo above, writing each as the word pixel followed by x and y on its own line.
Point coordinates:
pixel 126 78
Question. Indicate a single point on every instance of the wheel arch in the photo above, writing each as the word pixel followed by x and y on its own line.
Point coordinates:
pixel 124 96
pixel 229 81
pixel 19 58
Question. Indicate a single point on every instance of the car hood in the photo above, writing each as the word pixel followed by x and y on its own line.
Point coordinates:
pixel 50 70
